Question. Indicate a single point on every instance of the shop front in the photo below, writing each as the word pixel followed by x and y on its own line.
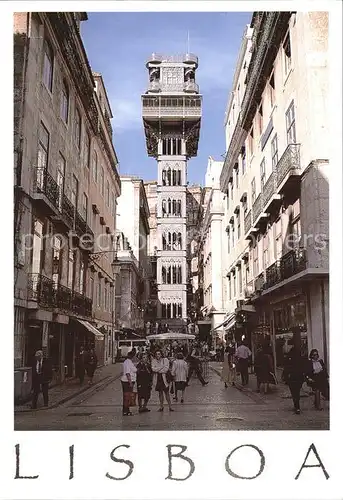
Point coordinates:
pixel 288 318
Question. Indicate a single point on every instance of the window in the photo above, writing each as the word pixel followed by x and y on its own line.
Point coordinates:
pixel 243 160
pixel 287 55
pixel 253 191
pixel 251 142
pixel 107 193
pixel 106 298
pixel 91 288
pixel 275 156
pixel 238 225
pixel 99 294
pixel 71 268
pixel 231 186
pixel 82 277
pixel 272 90
pixel 260 119
pixel 74 191
pixel 290 124
pixel 239 272
pixel 48 65
pixel 228 240
pixel 265 251
pixel 114 205
pixel 61 167
pixel 86 150
pixel 56 259
pixel 77 128
pixel 229 287
pixel 278 239
pixel 263 173
pixel 95 166
pixel 43 150
pixel 247 273
pixel 255 260
pixel 37 247
pixel 102 181
pixel 237 176
pixel 85 207
pixel 64 111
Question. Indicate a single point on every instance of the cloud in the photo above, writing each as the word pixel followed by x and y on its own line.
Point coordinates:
pixel 127 114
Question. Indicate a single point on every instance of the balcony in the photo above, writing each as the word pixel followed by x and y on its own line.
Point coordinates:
pixel 257 210
pixel 155 59
pixel 84 231
pixel 290 264
pixel 51 295
pixel 288 169
pixel 270 195
pixel 190 59
pixel 46 192
pixel 249 229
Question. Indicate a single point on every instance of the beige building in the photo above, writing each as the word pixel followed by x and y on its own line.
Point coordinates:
pixel 275 180
pixel 66 187
pixel 132 286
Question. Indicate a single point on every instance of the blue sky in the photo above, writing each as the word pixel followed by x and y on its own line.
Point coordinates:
pixel 118 45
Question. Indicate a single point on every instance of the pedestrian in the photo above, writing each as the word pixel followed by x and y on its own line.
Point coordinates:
pixel 160 368
pixel 179 372
pixel 242 355
pixel 294 375
pixel 128 381
pixel 317 378
pixel 80 365
pixel 91 363
pixel 226 368
pixel 194 366
pixel 135 359
pixel 264 369
pixel 144 383
pixel 41 377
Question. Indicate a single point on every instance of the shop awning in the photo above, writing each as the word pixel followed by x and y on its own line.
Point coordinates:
pixel 227 321
pixel 98 335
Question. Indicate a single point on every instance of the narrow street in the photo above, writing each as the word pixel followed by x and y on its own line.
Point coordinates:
pixel 205 408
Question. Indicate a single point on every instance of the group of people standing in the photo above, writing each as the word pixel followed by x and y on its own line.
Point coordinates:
pixel 170 375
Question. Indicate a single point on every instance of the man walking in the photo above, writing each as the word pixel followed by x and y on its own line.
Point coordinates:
pixel 243 354
pixel 194 366
pixel 41 377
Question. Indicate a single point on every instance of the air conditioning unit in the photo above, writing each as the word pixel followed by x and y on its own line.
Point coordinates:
pixel 248 291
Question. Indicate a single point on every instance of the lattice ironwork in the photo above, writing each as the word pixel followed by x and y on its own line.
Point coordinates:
pixel 289 162
pixel 46 184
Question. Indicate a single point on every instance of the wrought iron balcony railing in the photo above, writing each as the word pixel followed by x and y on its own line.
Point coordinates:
pixel 247 222
pixel 269 188
pixel 46 184
pixel 290 264
pixel 289 163
pixel 257 208
pixel 259 283
pixel 49 294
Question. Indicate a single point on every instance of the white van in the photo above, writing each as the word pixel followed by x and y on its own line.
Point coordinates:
pixel 125 346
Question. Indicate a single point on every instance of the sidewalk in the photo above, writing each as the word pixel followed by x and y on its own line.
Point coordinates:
pixel 280 390
pixel 59 394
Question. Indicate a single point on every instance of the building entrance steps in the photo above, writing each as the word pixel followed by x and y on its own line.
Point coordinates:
pixel 275 391
pixel 62 393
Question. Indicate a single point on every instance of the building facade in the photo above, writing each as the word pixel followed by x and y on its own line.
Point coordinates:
pixel 133 281
pixel 211 249
pixel 66 186
pixel 275 180
pixel 171 117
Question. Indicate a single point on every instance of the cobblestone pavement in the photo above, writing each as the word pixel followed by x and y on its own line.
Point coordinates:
pixel 205 408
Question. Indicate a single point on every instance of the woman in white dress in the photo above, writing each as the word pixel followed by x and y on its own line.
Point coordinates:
pixel 160 368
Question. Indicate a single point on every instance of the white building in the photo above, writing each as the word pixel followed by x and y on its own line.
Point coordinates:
pixel 211 248
pixel 275 178
pixel 171 116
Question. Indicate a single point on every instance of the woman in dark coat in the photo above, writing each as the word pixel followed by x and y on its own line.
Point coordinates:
pixel 91 364
pixel 317 378
pixel 144 383
pixel 264 369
